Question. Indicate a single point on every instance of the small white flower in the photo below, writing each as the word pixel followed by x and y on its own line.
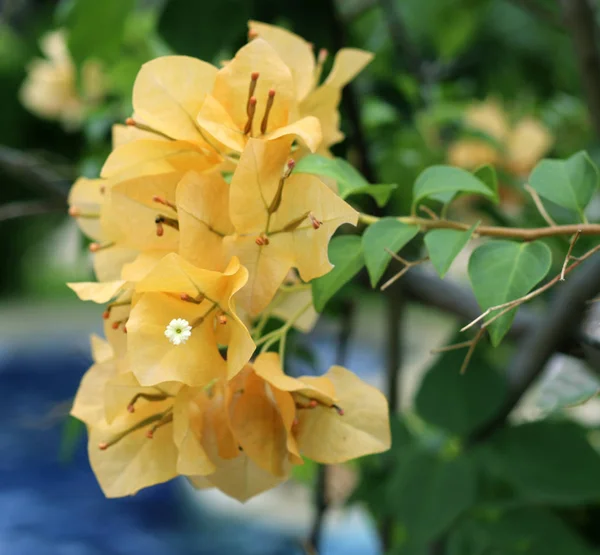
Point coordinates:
pixel 178 331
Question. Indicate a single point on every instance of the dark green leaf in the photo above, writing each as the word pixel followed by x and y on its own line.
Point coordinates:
pixel 387 233
pixel 444 245
pixel 548 462
pixel 570 183
pixel 443 183
pixel 530 531
pixel 459 403
pixel 427 493
pixel 95 29
pixel 502 271
pixel 346 254
pixel 348 178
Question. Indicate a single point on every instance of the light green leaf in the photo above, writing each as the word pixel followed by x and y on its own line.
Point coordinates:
pixel 444 245
pixel 443 183
pixel 570 183
pixel 387 233
pixel 548 462
pixel 346 254
pixel 460 403
pixel 348 178
pixel 428 493
pixel 569 387
pixel 95 29
pixel 502 271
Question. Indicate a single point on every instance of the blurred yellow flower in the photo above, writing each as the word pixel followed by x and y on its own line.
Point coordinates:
pixel 516 149
pixel 50 89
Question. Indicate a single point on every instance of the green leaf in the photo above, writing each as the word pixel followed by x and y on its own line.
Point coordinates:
pixel 72 433
pixel 95 29
pixel 502 271
pixel 349 180
pixel 443 183
pixel 444 245
pixel 387 233
pixel 426 494
pixel 527 530
pixel 570 183
pixel 488 175
pixel 346 254
pixel 460 403
pixel 548 462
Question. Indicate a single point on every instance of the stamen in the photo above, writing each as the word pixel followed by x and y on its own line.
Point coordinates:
pixel 164 202
pixel 295 223
pixel 339 409
pixel 142 424
pixel 251 111
pixel 189 299
pixel 201 319
pixel 148 396
pixel 222 318
pixel 143 127
pixel 265 120
pixel 95 247
pixel 75 212
pixel 115 325
pixel 167 418
pixel 161 220
pixel 262 240
pixel 276 202
pixel 252 34
pixel 315 223
pixel 109 307
pixel 102 189
pixel 253 81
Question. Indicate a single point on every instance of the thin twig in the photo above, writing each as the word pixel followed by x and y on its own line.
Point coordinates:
pixel 566 310
pixel 568 258
pixel 407 266
pixel 429 212
pixel 471 350
pixel 20 209
pixel 540 205
pixel 525 234
pixel 511 305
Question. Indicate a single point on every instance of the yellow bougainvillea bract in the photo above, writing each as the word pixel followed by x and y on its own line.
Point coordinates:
pixel 201 232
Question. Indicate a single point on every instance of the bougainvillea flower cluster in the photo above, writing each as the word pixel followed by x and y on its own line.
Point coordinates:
pixel 202 230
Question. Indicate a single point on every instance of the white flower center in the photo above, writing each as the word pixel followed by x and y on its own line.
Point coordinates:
pixel 178 331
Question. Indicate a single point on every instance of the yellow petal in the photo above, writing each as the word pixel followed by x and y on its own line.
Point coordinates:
pixel 307 129
pixel 86 195
pixel 142 265
pixel 255 182
pixel 268 367
pixel 348 63
pixel 101 349
pixel 154 359
pixel 216 121
pixel 97 292
pixel 187 434
pixel 168 93
pixel 258 426
pixel 327 437
pixel 287 304
pixel 527 143
pixel 295 52
pixel 176 276
pixel 136 461
pixel 323 104
pixel 148 157
pixel 123 134
pixel 116 337
pixel 303 193
pixel 109 262
pixel 203 213
pixel 232 82
pixel 287 410
pixel 88 405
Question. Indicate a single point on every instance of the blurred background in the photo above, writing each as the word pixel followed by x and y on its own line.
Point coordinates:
pixel 498 461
